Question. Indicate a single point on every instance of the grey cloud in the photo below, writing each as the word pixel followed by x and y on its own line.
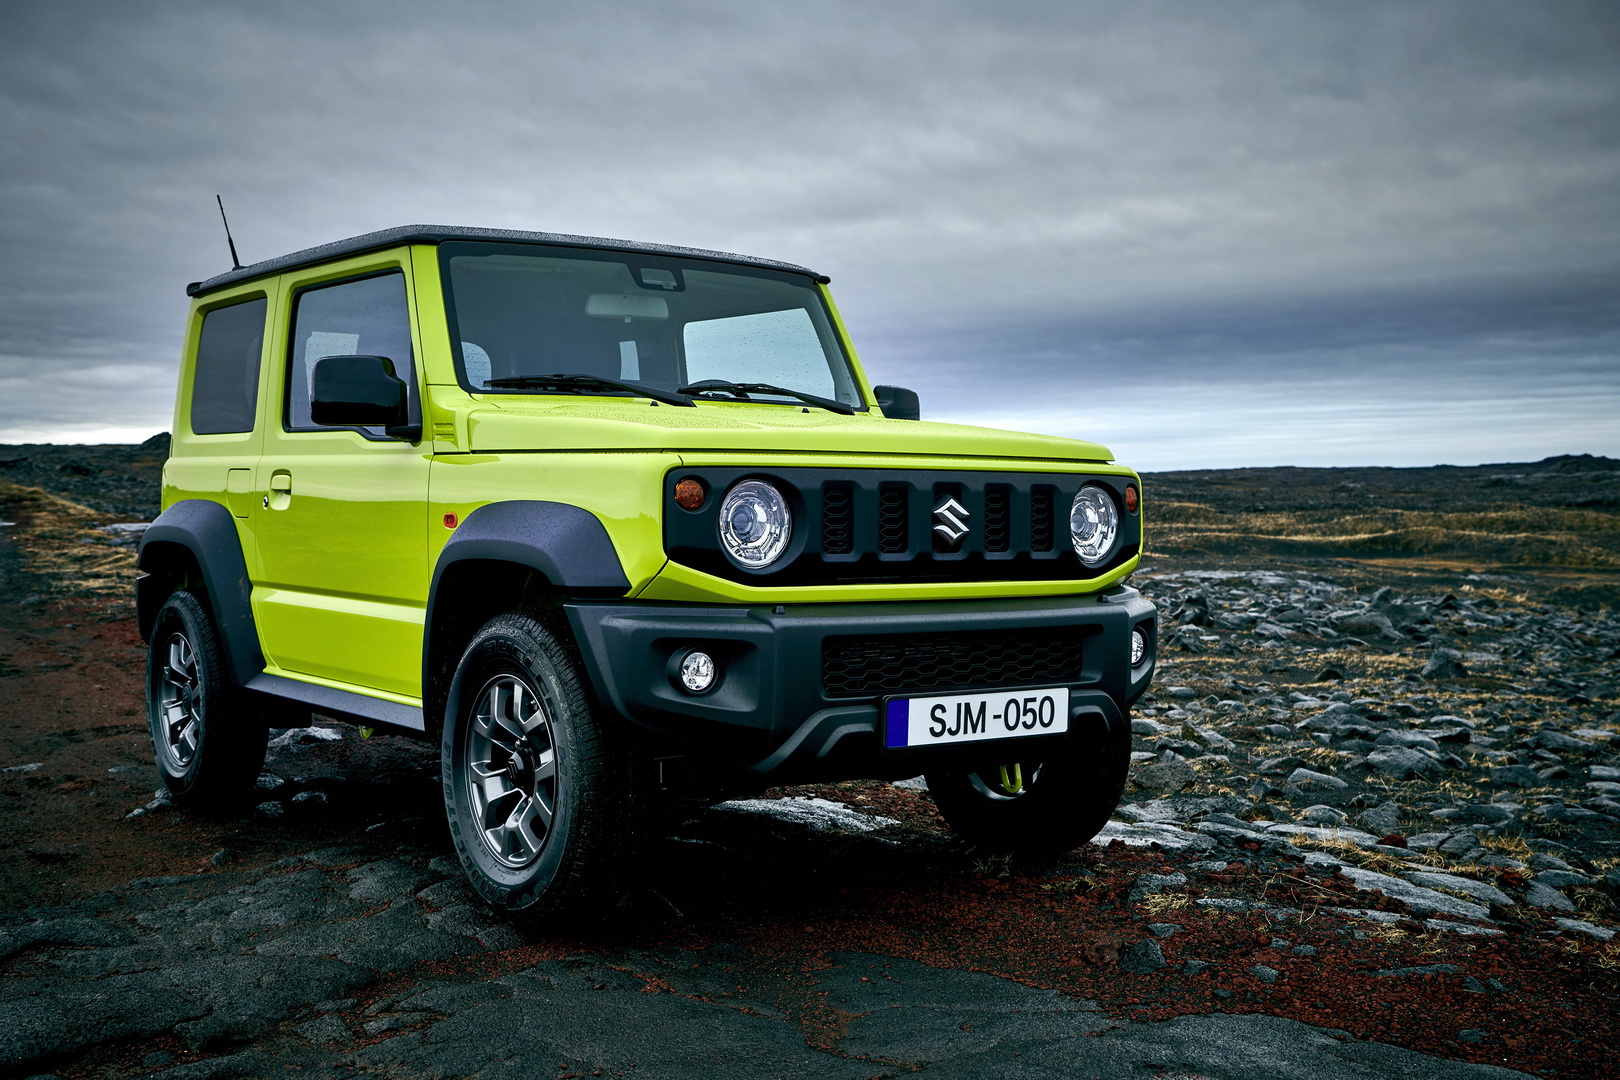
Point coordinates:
pixel 1155 192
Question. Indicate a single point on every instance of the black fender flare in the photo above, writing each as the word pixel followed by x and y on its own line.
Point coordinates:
pixel 566 544
pixel 207 531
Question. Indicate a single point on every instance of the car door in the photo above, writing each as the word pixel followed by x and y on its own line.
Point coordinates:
pixel 341 582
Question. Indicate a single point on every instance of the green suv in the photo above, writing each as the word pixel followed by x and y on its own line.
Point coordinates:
pixel 604 518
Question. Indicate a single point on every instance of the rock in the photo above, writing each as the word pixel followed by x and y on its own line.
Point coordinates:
pixel 1548 739
pixel 1167 777
pixel 1580 926
pixel 1148 884
pixel 1488 813
pixel 1308 779
pixel 1399 763
pixel 1445 664
pixel 1154 835
pixel 1143 958
pixel 1538 895
pixel 1563 879
pixel 1421 969
pixel 1479 890
pixel 1323 815
pixel 1265 974
pixel 1406 738
pixel 1368 624
pixel 1415 896
pixel 1330 833
pixel 305 736
pixel 1382 819
pixel 1459 845
pixel 1517 776
pixel 1163 929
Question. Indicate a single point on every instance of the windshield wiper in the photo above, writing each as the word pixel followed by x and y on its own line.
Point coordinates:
pixel 744 389
pixel 579 381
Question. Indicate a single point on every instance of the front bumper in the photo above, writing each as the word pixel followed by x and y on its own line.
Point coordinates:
pixel 771 713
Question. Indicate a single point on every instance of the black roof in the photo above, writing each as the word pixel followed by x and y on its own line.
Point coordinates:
pixel 433 234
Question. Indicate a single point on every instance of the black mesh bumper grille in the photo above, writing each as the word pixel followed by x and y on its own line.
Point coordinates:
pixel 915 663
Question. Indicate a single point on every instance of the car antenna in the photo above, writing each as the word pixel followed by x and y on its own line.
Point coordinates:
pixel 236 264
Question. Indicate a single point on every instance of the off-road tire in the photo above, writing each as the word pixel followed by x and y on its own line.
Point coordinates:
pixel 523 743
pixel 1065 799
pixel 208 738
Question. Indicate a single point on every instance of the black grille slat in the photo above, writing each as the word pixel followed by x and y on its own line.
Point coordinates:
pixel 893 532
pixel 921 663
pixel 997 517
pixel 838 519
pixel 1040 518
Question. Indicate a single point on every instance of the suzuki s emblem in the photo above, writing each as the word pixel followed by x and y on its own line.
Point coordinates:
pixel 952 517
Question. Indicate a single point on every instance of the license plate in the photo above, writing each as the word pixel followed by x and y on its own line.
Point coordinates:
pixel 959 718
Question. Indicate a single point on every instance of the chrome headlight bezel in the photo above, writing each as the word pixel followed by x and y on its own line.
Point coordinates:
pixel 755 524
pixel 1094 525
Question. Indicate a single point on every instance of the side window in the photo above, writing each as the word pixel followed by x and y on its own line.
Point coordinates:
pixel 225 379
pixel 365 317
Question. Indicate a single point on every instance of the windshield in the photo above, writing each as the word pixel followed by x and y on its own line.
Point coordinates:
pixel 518 312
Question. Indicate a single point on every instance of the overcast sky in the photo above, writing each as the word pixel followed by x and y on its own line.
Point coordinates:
pixel 1205 234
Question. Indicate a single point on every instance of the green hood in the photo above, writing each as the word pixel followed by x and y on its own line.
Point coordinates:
pixel 618 424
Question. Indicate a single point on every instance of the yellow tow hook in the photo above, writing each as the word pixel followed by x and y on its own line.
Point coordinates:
pixel 1012 779
pixel 367 732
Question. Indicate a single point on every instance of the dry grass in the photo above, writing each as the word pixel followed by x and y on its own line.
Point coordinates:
pixel 1508 535
pixel 1166 903
pixel 63 550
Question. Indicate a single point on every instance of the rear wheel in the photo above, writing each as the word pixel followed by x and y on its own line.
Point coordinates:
pixel 1038 807
pixel 536 789
pixel 207 737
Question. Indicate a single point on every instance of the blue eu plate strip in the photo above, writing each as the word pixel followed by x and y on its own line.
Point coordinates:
pixel 897 731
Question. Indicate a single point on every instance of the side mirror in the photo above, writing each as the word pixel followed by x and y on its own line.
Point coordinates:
pixel 361 391
pixel 898 403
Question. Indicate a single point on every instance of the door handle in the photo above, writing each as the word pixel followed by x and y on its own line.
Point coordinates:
pixel 280 496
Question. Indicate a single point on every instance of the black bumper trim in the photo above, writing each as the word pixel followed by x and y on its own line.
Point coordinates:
pixel 769 710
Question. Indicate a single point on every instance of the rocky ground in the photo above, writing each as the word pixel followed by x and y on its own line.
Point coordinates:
pixel 1371 832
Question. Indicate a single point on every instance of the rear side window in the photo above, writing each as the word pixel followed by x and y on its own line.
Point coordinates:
pixel 225 380
pixel 364 317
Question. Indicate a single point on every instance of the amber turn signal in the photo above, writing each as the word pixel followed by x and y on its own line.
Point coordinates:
pixel 451 521
pixel 1130 498
pixel 690 493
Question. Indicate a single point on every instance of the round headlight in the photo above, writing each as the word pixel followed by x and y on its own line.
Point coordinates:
pixel 1093 525
pixel 755 523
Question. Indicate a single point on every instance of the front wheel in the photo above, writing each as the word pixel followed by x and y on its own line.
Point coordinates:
pixel 208 738
pixel 1038 806
pixel 536 789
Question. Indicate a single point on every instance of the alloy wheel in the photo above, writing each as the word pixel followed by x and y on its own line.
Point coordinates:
pixel 179 703
pixel 511 773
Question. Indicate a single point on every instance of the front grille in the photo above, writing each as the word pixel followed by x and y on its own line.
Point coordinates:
pixel 997 501
pixel 892 532
pixel 838 519
pixel 977 660
pixel 883 526
pixel 1040 519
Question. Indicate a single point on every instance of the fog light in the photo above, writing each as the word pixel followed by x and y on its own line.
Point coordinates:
pixel 1138 647
pixel 697 672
